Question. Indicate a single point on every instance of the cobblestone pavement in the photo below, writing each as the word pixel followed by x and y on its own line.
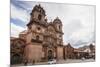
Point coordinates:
pixel 59 62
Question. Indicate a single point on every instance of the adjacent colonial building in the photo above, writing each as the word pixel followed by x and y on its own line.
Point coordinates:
pixel 17 50
pixel 68 51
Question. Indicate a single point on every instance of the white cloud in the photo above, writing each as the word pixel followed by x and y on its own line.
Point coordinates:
pixel 82 34
pixel 18 13
pixel 15 30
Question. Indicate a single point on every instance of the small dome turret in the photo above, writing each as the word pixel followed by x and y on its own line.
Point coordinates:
pixel 57 20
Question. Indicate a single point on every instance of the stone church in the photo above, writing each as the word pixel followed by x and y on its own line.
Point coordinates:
pixel 41 41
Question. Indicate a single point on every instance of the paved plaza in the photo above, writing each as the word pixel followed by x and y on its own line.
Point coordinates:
pixel 75 61
pixel 59 62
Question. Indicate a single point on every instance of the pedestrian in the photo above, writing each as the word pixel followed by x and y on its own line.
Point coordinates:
pixel 25 63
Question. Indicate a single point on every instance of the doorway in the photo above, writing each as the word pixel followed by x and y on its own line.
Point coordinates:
pixel 50 54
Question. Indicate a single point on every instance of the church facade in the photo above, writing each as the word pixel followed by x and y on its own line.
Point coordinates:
pixel 42 40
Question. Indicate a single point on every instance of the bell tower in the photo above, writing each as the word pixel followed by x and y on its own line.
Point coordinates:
pixel 38 13
pixel 58 24
pixel 37 24
pixel 59 33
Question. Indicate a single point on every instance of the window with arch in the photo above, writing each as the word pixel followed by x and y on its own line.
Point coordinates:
pixel 59 27
pixel 39 16
pixel 37 37
pixel 60 36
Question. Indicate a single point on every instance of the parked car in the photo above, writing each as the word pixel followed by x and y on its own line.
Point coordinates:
pixel 83 58
pixel 52 61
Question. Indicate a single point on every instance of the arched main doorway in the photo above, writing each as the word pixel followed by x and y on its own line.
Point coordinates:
pixel 50 54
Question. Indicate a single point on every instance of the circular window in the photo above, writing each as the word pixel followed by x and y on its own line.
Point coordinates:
pixel 38 28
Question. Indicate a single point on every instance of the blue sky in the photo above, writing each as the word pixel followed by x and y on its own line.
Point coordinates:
pixel 78 20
